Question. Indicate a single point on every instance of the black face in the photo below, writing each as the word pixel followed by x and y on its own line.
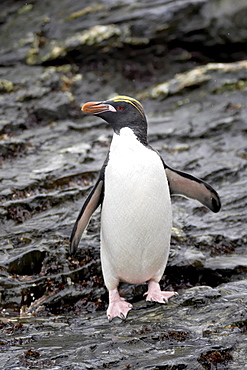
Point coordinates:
pixel 121 112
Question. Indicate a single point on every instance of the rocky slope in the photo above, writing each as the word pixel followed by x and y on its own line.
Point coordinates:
pixel 186 62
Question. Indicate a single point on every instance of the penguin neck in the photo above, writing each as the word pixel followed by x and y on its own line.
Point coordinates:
pixel 131 134
pixel 124 140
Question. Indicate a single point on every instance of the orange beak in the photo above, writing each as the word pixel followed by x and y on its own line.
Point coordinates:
pixel 94 107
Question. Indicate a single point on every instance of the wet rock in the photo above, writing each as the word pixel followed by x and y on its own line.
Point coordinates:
pixel 28 263
pixel 194 257
pixel 55 56
pixel 100 36
pixel 227 262
pixel 174 335
pixel 200 295
pixel 53 107
pixel 201 75
pixel 54 36
pixel 13 148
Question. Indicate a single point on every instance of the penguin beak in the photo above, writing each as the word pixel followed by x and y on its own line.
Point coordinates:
pixel 94 107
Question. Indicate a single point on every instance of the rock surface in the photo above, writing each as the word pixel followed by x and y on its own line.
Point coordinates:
pixel 193 85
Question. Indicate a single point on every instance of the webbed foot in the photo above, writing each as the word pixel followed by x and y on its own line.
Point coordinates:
pixel 118 307
pixel 155 294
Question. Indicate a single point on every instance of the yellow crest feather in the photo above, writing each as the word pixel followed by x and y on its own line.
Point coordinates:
pixel 131 101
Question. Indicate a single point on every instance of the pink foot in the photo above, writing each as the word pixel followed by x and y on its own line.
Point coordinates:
pixel 118 307
pixel 155 294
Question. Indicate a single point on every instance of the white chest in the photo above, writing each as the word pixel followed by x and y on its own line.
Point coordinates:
pixel 136 211
pixel 131 163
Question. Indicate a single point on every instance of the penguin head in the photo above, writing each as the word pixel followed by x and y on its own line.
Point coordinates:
pixel 120 112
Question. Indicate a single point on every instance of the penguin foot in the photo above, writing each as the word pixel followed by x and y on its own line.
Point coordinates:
pixel 118 307
pixel 155 294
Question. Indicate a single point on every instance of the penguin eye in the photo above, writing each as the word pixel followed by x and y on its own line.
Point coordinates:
pixel 120 108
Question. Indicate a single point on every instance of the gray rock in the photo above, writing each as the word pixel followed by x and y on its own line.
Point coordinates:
pixel 174 57
pixel 85 29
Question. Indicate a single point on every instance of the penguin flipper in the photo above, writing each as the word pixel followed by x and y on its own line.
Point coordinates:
pixel 92 202
pixel 182 183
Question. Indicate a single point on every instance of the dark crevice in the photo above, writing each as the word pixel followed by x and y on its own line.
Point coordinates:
pixel 154 53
